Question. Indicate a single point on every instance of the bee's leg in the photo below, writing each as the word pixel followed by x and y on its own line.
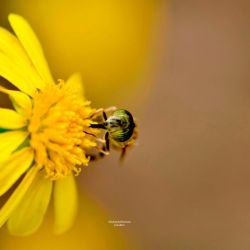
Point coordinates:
pixel 110 109
pixel 107 142
pixel 96 113
pixel 100 140
pixel 103 111
pixel 96 157
pixel 104 115
pixel 123 153
pixel 101 151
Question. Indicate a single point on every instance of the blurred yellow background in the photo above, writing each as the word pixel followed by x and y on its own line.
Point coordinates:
pixel 111 43
pixel 107 41
pixel 182 68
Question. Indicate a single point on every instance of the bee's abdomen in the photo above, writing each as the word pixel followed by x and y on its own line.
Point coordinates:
pixel 121 135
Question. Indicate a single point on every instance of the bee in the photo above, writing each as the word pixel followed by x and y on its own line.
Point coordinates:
pixel 120 129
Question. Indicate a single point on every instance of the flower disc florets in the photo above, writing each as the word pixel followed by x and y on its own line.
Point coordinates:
pixel 59 128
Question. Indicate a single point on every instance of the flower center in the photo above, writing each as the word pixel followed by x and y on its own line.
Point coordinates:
pixel 60 133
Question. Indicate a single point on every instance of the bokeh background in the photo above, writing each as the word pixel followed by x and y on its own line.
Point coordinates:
pixel 182 68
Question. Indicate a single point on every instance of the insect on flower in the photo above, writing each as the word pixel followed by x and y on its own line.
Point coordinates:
pixel 44 140
pixel 120 129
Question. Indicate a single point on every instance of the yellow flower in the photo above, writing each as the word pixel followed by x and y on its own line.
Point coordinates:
pixel 43 142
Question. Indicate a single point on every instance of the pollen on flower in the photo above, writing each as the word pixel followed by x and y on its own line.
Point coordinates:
pixel 59 129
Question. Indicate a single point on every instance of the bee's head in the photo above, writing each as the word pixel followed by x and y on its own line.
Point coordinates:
pixel 121 119
pixel 115 122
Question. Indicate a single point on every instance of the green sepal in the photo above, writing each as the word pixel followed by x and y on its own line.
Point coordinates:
pixel 2 130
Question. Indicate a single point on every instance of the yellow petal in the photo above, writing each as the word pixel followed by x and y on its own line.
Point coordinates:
pixel 76 85
pixel 9 141
pixel 11 119
pixel 18 59
pixel 21 102
pixel 12 168
pixel 17 196
pixel 29 214
pixel 11 72
pixel 31 45
pixel 65 203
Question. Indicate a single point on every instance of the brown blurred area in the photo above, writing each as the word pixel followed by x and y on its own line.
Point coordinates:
pixel 186 186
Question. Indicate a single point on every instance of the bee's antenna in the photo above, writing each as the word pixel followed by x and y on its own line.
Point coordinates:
pixel 89 133
pixel 98 126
